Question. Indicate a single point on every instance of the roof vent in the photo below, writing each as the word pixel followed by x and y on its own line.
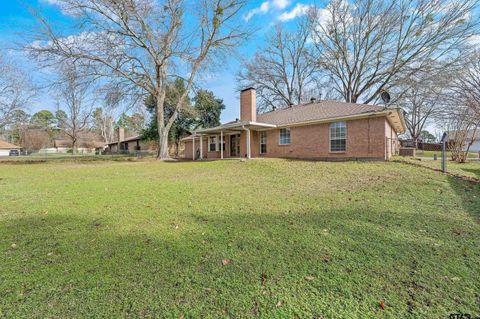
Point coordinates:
pixel 237 119
pixel 313 100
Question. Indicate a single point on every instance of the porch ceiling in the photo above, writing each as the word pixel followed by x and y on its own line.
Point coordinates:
pixel 235 127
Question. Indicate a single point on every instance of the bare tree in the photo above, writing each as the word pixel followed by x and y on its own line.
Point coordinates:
pixel 16 92
pixel 466 86
pixel 462 126
pixel 463 112
pixel 284 71
pixel 422 96
pixel 74 97
pixel 33 139
pixel 366 46
pixel 140 44
pixel 104 123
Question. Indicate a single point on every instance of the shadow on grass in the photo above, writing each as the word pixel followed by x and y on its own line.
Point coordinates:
pixel 469 192
pixel 306 264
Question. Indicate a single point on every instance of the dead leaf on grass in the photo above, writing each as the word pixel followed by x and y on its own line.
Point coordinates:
pixel 309 278
pixel 254 309
pixel 279 304
pixel 226 262
pixel 382 304
pixel 264 278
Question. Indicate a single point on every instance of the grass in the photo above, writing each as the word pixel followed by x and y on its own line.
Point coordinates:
pixel 468 169
pixel 41 158
pixel 420 153
pixel 264 238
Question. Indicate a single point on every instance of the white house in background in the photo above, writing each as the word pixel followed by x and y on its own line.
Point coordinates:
pixel 6 147
pixel 476 141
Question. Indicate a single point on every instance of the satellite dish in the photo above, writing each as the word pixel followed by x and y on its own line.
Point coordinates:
pixel 385 97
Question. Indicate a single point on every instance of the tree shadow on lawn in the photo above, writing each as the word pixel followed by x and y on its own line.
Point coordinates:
pixel 469 192
pixel 334 263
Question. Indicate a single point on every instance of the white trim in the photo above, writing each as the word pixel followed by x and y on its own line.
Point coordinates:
pixel 248 144
pixel 239 124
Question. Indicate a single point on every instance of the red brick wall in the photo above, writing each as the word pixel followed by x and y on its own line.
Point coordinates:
pixel 366 138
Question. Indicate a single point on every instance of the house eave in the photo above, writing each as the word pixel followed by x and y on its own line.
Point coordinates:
pixel 234 126
pixel 397 124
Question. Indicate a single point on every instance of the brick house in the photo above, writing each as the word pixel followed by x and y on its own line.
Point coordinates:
pixel 324 130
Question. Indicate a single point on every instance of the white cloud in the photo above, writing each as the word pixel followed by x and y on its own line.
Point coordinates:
pixel 264 8
pixel 280 4
pixel 299 10
pixel 53 2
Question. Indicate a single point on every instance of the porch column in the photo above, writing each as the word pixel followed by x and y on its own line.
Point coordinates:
pixel 248 143
pixel 221 144
pixel 201 146
pixel 193 147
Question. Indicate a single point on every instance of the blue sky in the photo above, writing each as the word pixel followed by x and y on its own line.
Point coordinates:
pixel 15 20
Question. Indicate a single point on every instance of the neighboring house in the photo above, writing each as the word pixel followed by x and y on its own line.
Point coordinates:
pixel 6 147
pixel 83 146
pixel 317 130
pixel 130 144
pixel 475 134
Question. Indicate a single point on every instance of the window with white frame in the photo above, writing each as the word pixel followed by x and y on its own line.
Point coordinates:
pixel 284 136
pixel 338 137
pixel 263 142
pixel 220 140
pixel 212 143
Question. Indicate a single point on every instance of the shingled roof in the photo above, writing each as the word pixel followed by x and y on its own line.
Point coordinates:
pixel 6 145
pixel 321 110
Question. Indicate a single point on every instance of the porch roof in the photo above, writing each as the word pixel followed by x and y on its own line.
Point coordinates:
pixel 234 126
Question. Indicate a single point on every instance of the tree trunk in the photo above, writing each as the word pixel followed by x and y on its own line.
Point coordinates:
pixel 163 145
pixel 74 146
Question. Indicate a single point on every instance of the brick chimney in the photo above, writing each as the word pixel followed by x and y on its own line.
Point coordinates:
pixel 248 105
pixel 121 136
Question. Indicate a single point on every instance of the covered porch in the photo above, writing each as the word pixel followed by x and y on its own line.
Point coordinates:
pixel 231 140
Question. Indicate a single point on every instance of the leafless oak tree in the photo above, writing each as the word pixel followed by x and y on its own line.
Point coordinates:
pixel 16 92
pixel 284 72
pixel 140 44
pixel 423 97
pixel 366 46
pixel 74 105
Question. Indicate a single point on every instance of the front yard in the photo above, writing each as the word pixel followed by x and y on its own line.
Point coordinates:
pixel 264 238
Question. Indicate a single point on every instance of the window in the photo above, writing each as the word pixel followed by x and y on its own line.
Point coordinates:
pixel 220 142
pixel 263 142
pixel 284 136
pixel 338 137
pixel 212 143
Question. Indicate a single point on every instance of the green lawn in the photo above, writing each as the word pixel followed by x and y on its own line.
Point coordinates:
pixel 420 153
pixel 265 238
pixel 469 169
